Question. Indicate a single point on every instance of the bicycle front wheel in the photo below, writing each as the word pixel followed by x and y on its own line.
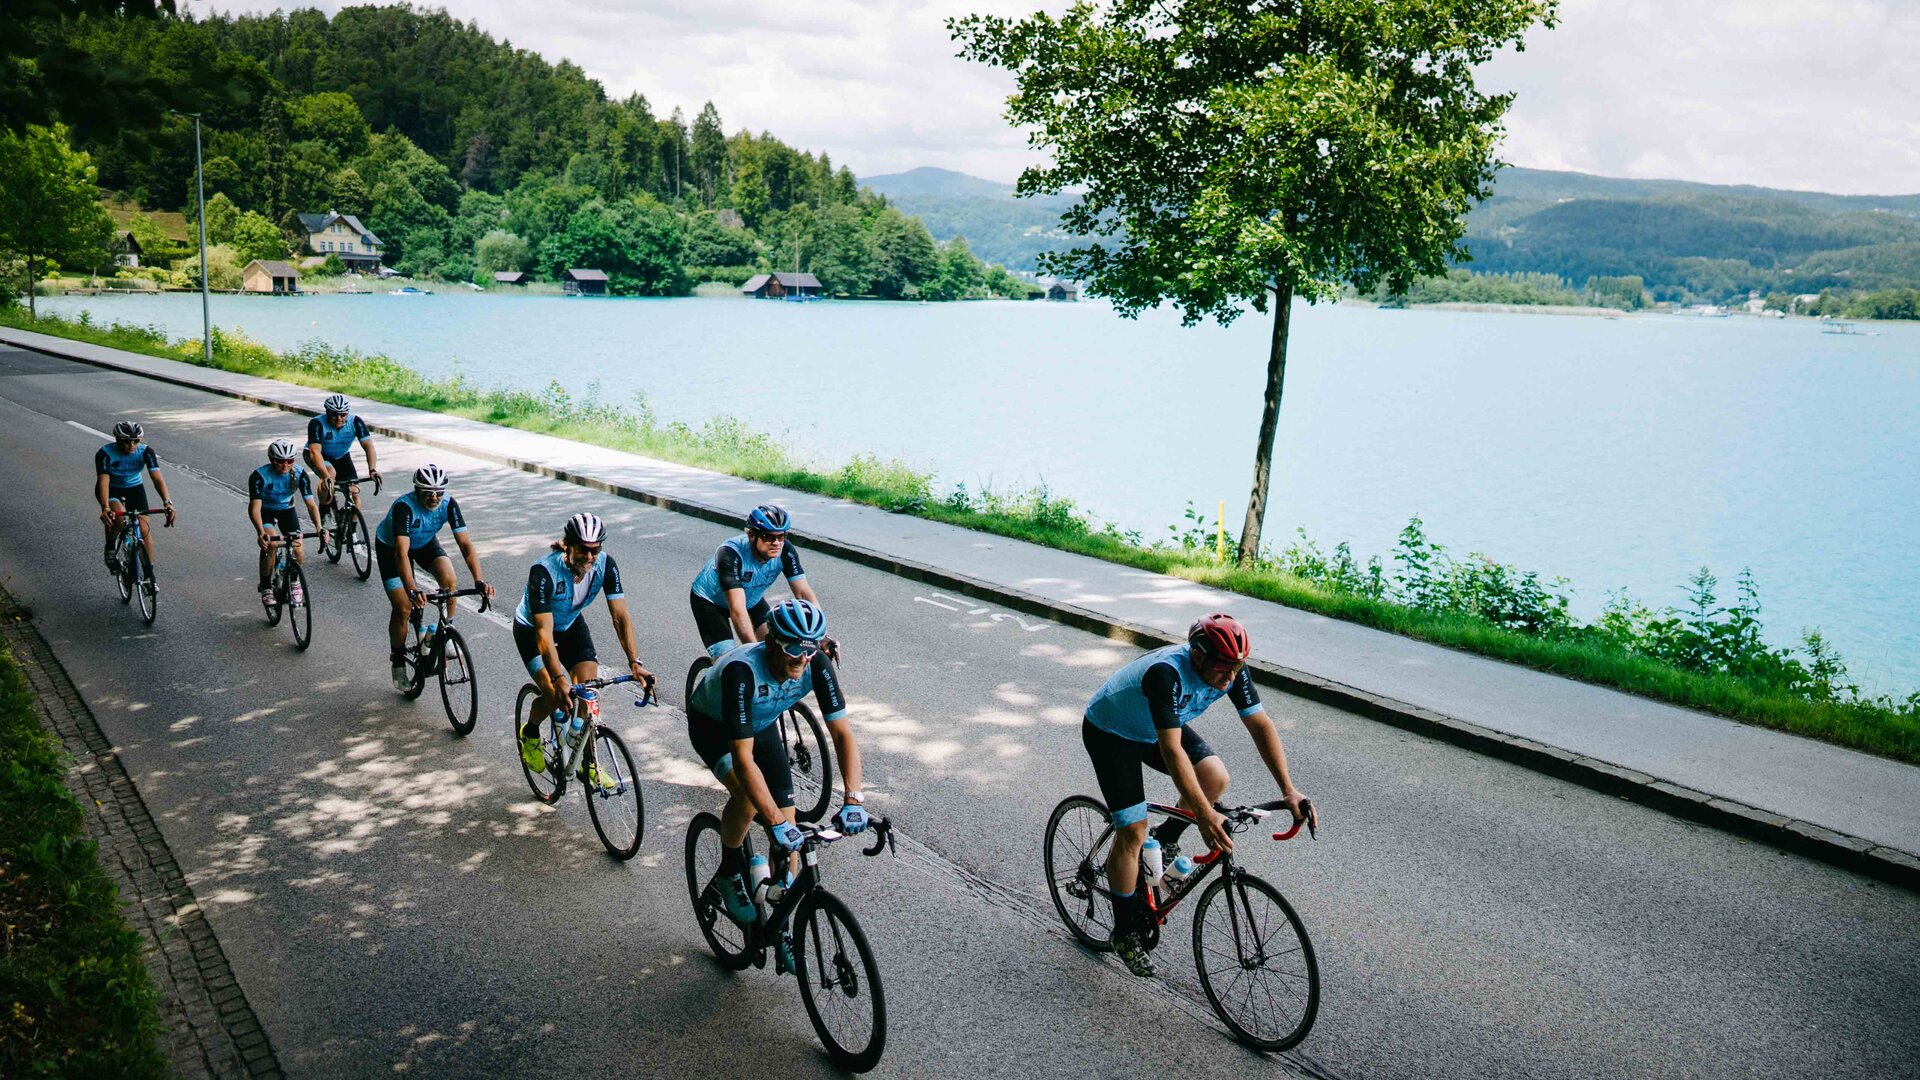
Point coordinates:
pixel 728 939
pixel 359 545
pixel 1256 962
pixel 459 690
pixel 145 587
pixel 333 537
pixel 839 982
pixel 1078 839
pixel 545 782
pixel 123 580
pixel 299 606
pixel 807 750
pixel 619 814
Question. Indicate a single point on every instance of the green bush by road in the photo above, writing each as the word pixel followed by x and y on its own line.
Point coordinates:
pixel 78 1000
pixel 1708 656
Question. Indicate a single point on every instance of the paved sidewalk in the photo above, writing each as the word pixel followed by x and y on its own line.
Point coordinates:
pixel 1836 804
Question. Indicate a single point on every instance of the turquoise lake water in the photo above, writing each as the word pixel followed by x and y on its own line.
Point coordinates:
pixel 1612 452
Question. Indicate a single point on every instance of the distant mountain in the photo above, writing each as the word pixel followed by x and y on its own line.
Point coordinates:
pixel 1688 241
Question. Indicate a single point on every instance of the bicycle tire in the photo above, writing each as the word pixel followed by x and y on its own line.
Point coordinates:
pixel 1285 1033
pixel 731 943
pixel 814 763
pixel 1078 832
pixel 546 784
pixel 277 582
pixel 331 537
pixel 145 586
pixel 609 753
pixel 360 545
pixel 420 664
pixel 455 670
pixel 693 676
pixel 123 580
pixel 830 981
pixel 299 615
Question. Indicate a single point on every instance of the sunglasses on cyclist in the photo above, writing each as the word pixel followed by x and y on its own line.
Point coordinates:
pixel 799 650
pixel 591 549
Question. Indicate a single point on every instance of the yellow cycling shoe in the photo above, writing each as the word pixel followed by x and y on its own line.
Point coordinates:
pixel 532 754
pixel 592 775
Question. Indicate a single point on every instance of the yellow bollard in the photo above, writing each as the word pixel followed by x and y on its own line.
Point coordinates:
pixel 1220 545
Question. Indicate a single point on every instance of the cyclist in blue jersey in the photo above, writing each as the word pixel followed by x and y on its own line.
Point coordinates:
pixel 730 720
pixel 270 492
pixel 729 594
pixel 409 536
pixel 330 440
pixel 554 640
pixel 1141 716
pixel 117 486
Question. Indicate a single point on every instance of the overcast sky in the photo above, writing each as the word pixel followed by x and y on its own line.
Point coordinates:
pixel 1812 94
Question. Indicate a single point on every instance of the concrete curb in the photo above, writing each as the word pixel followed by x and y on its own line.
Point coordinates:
pixel 1790 834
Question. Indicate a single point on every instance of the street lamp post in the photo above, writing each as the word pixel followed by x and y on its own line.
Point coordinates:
pixel 200 195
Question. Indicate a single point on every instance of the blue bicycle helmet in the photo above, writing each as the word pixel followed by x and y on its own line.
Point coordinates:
pixel 768 518
pixel 796 621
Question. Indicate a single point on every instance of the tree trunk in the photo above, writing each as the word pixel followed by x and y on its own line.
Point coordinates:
pixel 32 312
pixel 1269 423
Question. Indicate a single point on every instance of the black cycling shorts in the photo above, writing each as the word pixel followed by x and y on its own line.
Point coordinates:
pixel 425 556
pixel 715 626
pixel 710 741
pixel 343 468
pixel 1117 761
pixel 134 499
pixel 574 644
pixel 286 521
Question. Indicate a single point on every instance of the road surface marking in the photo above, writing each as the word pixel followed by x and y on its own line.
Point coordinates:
pixel 90 431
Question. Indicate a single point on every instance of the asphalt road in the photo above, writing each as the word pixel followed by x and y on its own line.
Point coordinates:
pixel 393 900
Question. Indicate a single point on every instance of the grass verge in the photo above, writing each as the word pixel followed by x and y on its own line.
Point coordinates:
pixel 79 1001
pixel 1492 611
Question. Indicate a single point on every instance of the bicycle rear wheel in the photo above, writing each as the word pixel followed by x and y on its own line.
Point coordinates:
pixel 1078 838
pixel 693 676
pixel 728 939
pixel 811 757
pixel 299 606
pixel 123 580
pixel 359 545
pixel 332 537
pixel 546 784
pixel 459 690
pixel 1256 962
pixel 277 582
pixel 619 813
pixel 839 982
pixel 145 587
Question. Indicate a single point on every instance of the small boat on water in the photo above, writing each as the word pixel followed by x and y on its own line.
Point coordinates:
pixel 408 290
pixel 1846 329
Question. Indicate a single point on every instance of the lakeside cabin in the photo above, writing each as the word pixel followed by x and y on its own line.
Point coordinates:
pixel 583 282
pixel 334 233
pixel 1062 291
pixel 781 286
pixel 126 250
pixel 270 276
pixel 509 277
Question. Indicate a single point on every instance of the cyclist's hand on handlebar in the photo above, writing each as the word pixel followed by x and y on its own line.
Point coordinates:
pixel 1302 809
pixel 852 818
pixel 484 588
pixel 831 648
pixel 788 836
pixel 266 542
pixel 1213 826
pixel 641 675
pixel 171 514
pixel 107 516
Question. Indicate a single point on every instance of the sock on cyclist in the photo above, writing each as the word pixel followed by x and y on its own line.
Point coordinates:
pixel 1123 912
pixel 733 860
pixel 1169 831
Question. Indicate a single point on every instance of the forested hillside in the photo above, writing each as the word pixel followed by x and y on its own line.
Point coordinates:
pixel 1688 242
pixel 467 155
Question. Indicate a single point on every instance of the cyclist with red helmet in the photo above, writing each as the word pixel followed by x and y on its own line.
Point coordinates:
pixel 1142 716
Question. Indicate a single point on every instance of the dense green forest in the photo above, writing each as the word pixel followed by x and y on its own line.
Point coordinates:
pixel 1687 242
pixel 466 156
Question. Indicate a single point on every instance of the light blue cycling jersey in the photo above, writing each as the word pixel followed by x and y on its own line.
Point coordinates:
pixel 418 523
pixel 123 470
pixel 552 590
pixel 276 489
pixel 1122 706
pixel 765 697
pixel 336 442
pixel 734 566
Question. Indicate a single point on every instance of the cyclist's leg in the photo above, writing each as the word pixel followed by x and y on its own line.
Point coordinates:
pixel 1116 765
pixel 399 604
pixel 546 699
pixel 270 520
pixel 716 630
pixel 1208 768
pixel 117 503
pixel 135 502
pixel 441 568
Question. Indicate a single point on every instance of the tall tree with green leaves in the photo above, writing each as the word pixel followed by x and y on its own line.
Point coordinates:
pixel 1238 153
pixel 709 153
pixel 48 211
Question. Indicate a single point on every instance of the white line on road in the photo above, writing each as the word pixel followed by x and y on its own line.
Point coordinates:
pixel 88 430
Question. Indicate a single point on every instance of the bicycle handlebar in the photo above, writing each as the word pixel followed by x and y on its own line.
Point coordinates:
pixel 881 828
pixel 442 595
pixel 647 696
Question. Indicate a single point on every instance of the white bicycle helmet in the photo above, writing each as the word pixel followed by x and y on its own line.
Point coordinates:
pixel 127 430
pixel 338 403
pixel 282 450
pixel 585 528
pixel 429 478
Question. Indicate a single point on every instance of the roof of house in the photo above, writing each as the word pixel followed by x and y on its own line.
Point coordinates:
pixel 799 281
pixel 274 268
pixel 131 243
pixel 753 283
pixel 578 274
pixel 509 277
pixel 314 223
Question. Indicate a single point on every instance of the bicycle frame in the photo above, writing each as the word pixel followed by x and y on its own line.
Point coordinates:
pixel 765 931
pixel 443 601
pixel 1207 862
pixel 571 757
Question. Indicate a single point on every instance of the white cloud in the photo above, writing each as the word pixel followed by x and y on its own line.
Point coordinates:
pixel 1809 94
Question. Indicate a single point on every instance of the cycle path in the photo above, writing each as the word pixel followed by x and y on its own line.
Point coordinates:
pixel 1835 804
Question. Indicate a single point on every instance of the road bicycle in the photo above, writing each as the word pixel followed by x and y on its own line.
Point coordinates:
pixel 439 651
pixel 288 581
pixel 347 535
pixel 132 571
pixel 839 979
pixel 1255 960
pixel 805 738
pixel 596 755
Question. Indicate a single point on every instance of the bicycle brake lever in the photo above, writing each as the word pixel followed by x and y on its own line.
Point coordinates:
pixel 883 837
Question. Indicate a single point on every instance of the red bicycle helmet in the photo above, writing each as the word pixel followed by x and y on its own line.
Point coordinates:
pixel 1219 639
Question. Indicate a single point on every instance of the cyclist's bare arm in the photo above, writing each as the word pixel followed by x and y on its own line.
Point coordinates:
pixel 848 750
pixel 550 656
pixel 313 513
pixel 623 629
pixel 737 612
pixel 1212 825
pixel 373 466
pixel 259 524
pixel 802 590
pixel 472 559
pixel 1267 739
pixel 166 498
pixel 100 495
